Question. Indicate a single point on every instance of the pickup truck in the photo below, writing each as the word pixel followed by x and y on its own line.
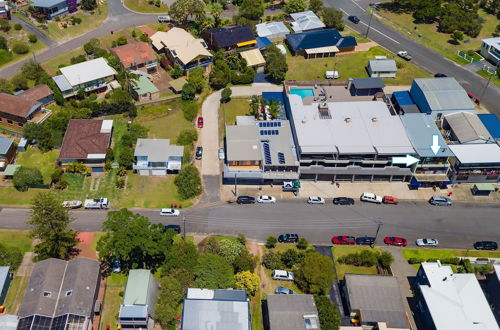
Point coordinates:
pixel 98 203
pixel 404 54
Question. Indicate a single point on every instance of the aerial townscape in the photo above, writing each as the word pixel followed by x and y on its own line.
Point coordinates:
pixel 249 164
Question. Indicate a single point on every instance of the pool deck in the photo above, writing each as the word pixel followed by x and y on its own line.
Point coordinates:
pixel 334 93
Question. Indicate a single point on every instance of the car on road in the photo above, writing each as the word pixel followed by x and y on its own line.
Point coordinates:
pixel 486 245
pixel 440 75
pixel 170 212
pixel 472 97
pixel 200 122
pixel 343 240
pixel 288 238
pixel 283 290
pixel 266 199
pixel 390 200
pixel 245 200
pixel 282 275
pixel 175 228
pixel 343 201
pixel 394 240
pixel 404 55
pixel 371 198
pixel 365 240
pixel 315 200
pixel 354 19
pixel 164 18
pixel 427 242
pixel 440 200
pixel 222 155
pixel 199 153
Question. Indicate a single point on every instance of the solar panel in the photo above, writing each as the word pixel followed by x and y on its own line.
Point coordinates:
pixel 281 158
pixel 267 153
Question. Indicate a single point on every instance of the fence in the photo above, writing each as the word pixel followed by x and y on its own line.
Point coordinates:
pixel 477 62
pixel 11 132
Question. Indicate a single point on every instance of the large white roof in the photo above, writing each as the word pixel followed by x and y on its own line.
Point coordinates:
pixel 87 71
pixel 476 153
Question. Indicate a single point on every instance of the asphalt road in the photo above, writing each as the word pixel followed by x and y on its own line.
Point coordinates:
pixel 458 226
pixel 422 56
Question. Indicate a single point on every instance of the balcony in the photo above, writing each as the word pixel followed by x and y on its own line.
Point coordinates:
pixel 141 166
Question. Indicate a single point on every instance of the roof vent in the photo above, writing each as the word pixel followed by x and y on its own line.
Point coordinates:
pixel 347 120
pixel 304 120
pixel 374 119
pixel 444 279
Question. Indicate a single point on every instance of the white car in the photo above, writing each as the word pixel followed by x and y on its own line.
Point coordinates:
pixel 427 242
pixel 315 200
pixel 170 212
pixel 371 197
pixel 266 199
pixel 222 155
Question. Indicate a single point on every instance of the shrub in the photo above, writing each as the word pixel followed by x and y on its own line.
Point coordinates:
pixel 292 257
pixel 61 184
pixel 302 244
pixel 247 281
pixel 188 182
pixel 120 182
pixel 26 176
pixel 190 110
pixel 226 94
pixel 451 261
pixel 188 91
pixel 32 38
pixel 20 48
pixel 386 259
pixel 10 256
pixel 187 137
pixel 272 260
pixel 4 25
pixel 122 40
pixel 18 27
pixel 414 261
pixel 245 261
pixel 329 316
pixel 271 242
pixel 230 249
pixel 242 239
pixel 176 71
pixel 365 258
pixel 213 272
pixel 122 171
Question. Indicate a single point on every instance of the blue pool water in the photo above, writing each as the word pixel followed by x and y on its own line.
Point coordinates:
pixel 302 92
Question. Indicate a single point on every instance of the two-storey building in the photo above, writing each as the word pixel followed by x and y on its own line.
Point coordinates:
pixel 157 157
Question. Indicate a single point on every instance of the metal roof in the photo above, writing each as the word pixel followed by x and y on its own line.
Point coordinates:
pixel 403 98
pixel 263 42
pixel 133 311
pixel 383 65
pixel 272 29
pixel 181 44
pixel 306 20
pixel 228 36
pixel 495 42
pixel 243 143
pixel 492 124
pixel 486 153
pixel 157 150
pixel 467 127
pixel 62 83
pixel 368 83
pixel 253 57
pixel 318 39
pixel 5 144
pixel 143 85
pixel 47 3
pixel 87 71
pixel 443 93
pixel 136 291
pixel 287 311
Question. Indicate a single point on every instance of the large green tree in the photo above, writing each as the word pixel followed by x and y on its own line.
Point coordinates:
pixel 10 256
pixel 276 66
pixel 24 177
pixel 315 274
pixel 188 182
pixel 316 6
pixel 169 298
pixel 213 272
pixel 294 6
pixel 50 222
pixel 251 9
pixel 332 18
pixel 181 9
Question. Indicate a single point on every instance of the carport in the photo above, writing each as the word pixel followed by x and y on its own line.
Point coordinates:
pixel 482 189
pixel 366 86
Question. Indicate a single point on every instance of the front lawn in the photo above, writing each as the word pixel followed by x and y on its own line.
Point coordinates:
pixel 16 238
pixel 89 22
pixel 45 162
pixel 442 254
pixel 342 269
pixel 143 6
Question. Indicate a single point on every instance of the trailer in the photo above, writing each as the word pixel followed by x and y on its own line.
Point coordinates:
pixel 98 203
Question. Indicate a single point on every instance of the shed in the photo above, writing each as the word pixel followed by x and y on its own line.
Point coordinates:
pixel 482 189
pixel 382 68
pixel 10 170
pixel 143 89
pixel 366 86
pixel 5 278
pixel 253 57
pixel 492 124
pixel 177 84
pixel 23 143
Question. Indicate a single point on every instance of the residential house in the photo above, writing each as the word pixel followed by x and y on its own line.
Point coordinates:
pixel 16 111
pixel 322 43
pixel 143 90
pixel 440 96
pixel 375 298
pixel 366 86
pixel 272 30
pixel 291 312
pixel 5 278
pixel 157 157
pixel 176 85
pixel 137 55
pixel 493 291
pixel 490 49
pixel 183 49
pixel 228 38
pixel 137 310
pixel 216 309
pixel 464 127
pixel 474 163
pixel 8 322
pixel 92 76
pixel 40 93
pixel 383 68
pixel 306 21
pixel 60 295
pixel 451 301
pixel 4 10
pixel 52 8
pixel 492 124
pixel 86 141
pixel 7 152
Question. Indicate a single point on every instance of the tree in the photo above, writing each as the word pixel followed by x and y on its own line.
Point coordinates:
pixel 272 260
pixel 183 255
pixel 39 132
pixel 176 71
pixel 276 66
pixel 188 182
pixel 10 256
pixel 245 261
pixel 26 176
pixel 169 297
pixel 50 225
pixel 457 36
pixel 91 46
pixel 329 316
pixel 181 9
pixel 188 91
pixel 187 137
pixel 5 86
pixel 292 257
pixel 19 82
pixel 271 242
pixel 315 274
pixel 4 25
pixel 190 110
pixel 216 9
pixel 316 6
pixel 226 95
pixel 230 249
pixel 197 79
pixel 122 40
pixel 251 9
pixel 20 47
pixel 32 38
pixel 385 259
pixel 213 272
pixel 302 244
pixel 126 158
pixel 294 6
pixel 247 281
pixel 88 4
pixel 3 43
pixel 332 18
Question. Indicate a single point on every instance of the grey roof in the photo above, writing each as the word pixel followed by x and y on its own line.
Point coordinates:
pixel 444 94
pixel 157 150
pixel 245 120
pixel 420 128
pixel 485 153
pixel 5 144
pixel 87 71
pixel 133 311
pixel 495 42
pixel 378 298
pixel 8 322
pixel 467 127
pixel 47 3
pixel 305 21
pixel 271 29
pixel 286 312
pixel 234 295
pixel 70 288
pixel 383 65
pixel 368 83
pixel 4 273
pixel 62 83
pixel 242 143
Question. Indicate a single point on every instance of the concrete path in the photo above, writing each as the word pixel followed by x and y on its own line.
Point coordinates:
pixel 26 265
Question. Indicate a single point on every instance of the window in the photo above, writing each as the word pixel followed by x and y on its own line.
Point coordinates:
pixel 47 293
pixel 311 321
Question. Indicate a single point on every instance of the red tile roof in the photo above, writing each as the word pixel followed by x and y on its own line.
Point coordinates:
pixel 16 105
pixel 84 137
pixel 36 93
pixel 134 53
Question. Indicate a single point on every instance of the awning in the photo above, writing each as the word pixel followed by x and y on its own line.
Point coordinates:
pixel 246 43
pixel 253 57
pixel 322 50
pixel 10 170
pixel 431 177
pixel 484 187
pixel 178 83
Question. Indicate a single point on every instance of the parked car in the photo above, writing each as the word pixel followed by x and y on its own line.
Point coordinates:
pixel 288 238
pixel 354 19
pixel 440 200
pixel 72 204
pixel 370 197
pixel 283 290
pixel 427 242
pixel 315 200
pixel 397 241
pixel 344 240
pixel 404 55
pixel 390 200
pixel 245 200
pixel 440 75
pixel 282 275
pixel 475 99
pixel 164 19
pixel 343 201
pixel 365 240
pixel 266 199
pixel 116 266
pixel 199 153
pixel 175 228
pixel 200 122
pixel 222 155
pixel 485 245
pixel 170 212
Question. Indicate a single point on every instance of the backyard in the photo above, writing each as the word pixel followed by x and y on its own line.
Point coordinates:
pixel 339 251
pixel 115 286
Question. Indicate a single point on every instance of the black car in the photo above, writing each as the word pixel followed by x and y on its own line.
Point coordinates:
pixel 365 240
pixel 288 238
pixel 486 245
pixel 245 200
pixel 440 75
pixel 199 152
pixel 175 228
pixel 354 19
pixel 343 201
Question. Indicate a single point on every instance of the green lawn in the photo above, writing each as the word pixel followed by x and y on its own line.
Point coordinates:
pixel 16 238
pixel 45 162
pixel 235 107
pixel 97 236
pixel 350 65
pixel 494 79
pixel 15 294
pixel 143 6
pixel 111 306
pixel 89 22
pixel 441 254
pixel 342 269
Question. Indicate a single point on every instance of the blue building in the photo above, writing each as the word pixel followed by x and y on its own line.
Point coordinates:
pixel 5 278
pixel 53 8
pixel 492 124
pixel 321 43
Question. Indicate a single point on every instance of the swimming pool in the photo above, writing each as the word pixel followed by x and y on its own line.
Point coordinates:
pixel 302 92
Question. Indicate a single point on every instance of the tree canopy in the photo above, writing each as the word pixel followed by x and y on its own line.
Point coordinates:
pixel 188 182
pixel 329 316
pixel 26 176
pixel 332 18
pixel 213 272
pixel 276 66
pixel 294 6
pixel 315 274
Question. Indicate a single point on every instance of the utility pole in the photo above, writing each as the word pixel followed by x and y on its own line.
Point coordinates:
pixel 488 82
pixel 184 225
pixel 235 184
pixel 370 21
pixel 380 224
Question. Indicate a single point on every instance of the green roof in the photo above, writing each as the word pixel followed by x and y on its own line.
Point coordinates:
pixel 178 83
pixel 136 292
pixel 143 85
pixel 10 170
pixel 485 187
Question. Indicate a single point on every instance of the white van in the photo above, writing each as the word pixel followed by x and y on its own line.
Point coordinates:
pixel 282 275
pixel 370 197
pixel 164 19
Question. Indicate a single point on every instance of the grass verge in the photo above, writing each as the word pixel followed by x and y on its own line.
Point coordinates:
pixel 15 294
pixel 441 254
pixel 494 79
pixel 89 22
pixel 342 269
pixel 16 238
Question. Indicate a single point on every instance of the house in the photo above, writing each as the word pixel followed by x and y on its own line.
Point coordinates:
pixel 176 85
pixel 306 21
pixel 182 48
pixel 16 111
pixel 254 58
pixel 157 157
pixel 291 312
pixel 366 86
pixel 7 152
pixel 465 128
pixel 8 173
pixel 137 55
pixel 451 301
pixel 5 278
pixel 8 322
pixel 52 8
pixel 4 10
pixel 60 295
pixel 92 76
pixel 375 298
pixel 272 30
pixel 440 96
pixel 228 38
pixel 137 310
pixel 322 43
pixel 383 68
pixel 39 93
pixel 143 90
pixel 493 291
pixel 216 309
pixel 492 124
pixel 86 141
pixel 475 163
pixel 490 49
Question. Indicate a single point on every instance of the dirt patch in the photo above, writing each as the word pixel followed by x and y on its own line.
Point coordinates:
pixel 85 245
pixel 258 251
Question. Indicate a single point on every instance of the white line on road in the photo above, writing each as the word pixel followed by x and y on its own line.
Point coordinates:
pixel 354 2
pixel 372 28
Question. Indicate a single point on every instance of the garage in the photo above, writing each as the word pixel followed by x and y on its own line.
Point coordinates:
pixel 144 172
pixel 158 172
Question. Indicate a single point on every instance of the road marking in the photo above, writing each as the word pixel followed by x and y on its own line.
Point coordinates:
pixel 354 2
pixel 372 28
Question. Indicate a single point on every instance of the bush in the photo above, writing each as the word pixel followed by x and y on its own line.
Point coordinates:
pixel 190 110
pixel 76 167
pixel 292 257
pixel 272 260
pixel 18 27
pixel 61 184
pixel 451 261
pixel 4 25
pixel 386 259
pixel 10 256
pixel 187 137
pixel 329 316
pixel 188 182
pixel 230 249
pixel 242 239
pixel 188 92
pixel 32 38
pixel 245 261
pixel 247 281
pixel 176 71
pixel 271 242
pixel 315 274
pixel 26 176
pixel 302 244
pixel 126 158
pixel 120 182
pixel 122 40
pixel 364 258
pixel 20 48
pixel 213 272
pixel 226 94
pixel 414 261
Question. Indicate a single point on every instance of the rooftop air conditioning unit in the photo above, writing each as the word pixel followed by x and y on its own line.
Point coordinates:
pixel 347 120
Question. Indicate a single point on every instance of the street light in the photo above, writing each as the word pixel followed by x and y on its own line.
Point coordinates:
pixel 372 9
pixel 379 225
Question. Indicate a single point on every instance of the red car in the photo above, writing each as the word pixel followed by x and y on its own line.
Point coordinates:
pixel 397 241
pixel 390 200
pixel 475 99
pixel 200 122
pixel 344 240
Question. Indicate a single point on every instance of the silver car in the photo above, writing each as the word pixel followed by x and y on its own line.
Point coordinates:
pixel 222 155
pixel 283 290
pixel 315 200
pixel 427 242
pixel 440 200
